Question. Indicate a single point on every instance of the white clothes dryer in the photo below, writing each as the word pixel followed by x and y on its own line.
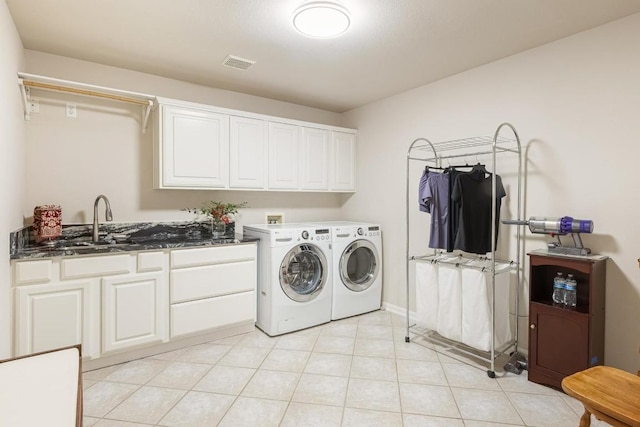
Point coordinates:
pixel 356 268
pixel 294 282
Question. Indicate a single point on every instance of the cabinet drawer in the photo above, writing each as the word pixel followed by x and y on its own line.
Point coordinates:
pixel 212 280
pixel 33 272
pixel 150 261
pixel 203 256
pixel 196 316
pixel 95 266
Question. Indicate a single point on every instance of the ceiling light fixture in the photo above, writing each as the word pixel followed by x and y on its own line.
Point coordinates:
pixel 321 19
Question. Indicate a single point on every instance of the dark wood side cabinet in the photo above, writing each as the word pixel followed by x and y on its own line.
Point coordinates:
pixel 564 341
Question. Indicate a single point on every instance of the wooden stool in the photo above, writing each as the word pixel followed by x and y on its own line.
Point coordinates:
pixel 610 394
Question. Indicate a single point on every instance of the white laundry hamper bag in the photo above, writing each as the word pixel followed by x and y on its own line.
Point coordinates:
pixel 476 308
pixel 427 294
pixel 449 323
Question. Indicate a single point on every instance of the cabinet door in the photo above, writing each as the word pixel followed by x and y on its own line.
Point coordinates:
pixel 247 153
pixel 195 148
pixel 342 165
pixel 558 341
pixel 314 159
pixel 284 161
pixel 134 310
pixel 55 315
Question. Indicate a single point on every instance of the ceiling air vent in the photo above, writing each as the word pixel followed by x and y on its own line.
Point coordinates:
pixel 238 63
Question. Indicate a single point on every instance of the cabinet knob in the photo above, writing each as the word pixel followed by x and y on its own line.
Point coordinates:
pixel 532 326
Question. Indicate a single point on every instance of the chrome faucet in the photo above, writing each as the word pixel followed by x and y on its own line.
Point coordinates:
pixel 108 215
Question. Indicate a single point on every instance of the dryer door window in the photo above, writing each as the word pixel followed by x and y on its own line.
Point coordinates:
pixel 303 273
pixel 359 265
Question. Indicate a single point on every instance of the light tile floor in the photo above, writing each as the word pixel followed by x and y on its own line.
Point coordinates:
pixel 352 372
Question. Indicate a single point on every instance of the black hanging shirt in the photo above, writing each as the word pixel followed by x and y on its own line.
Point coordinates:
pixel 472 192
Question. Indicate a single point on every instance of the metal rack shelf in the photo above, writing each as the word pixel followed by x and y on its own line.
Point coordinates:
pixel 490 143
pixel 423 150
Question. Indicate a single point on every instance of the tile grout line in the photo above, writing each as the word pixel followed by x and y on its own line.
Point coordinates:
pixel 171 363
pixel 235 399
pixel 185 394
pixel 297 382
pixel 346 392
pixel 359 328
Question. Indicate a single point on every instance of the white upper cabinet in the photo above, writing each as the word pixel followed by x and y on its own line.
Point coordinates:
pixel 342 164
pixel 314 159
pixel 247 153
pixel 194 148
pixel 284 161
pixel 205 147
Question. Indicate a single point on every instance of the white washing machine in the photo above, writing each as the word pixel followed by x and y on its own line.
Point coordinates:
pixel 356 268
pixel 294 282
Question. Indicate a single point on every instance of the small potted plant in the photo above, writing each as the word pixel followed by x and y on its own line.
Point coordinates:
pixel 220 216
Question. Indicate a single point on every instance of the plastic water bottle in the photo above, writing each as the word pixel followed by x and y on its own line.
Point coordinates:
pixel 558 290
pixel 571 292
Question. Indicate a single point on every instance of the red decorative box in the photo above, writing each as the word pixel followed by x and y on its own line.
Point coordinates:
pixel 47 222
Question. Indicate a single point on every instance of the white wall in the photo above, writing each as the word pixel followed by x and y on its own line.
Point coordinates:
pixel 576 106
pixel 11 161
pixel 574 103
pixel 103 151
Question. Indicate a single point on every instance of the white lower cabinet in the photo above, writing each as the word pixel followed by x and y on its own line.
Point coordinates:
pixel 212 287
pixel 134 310
pixel 200 315
pixel 212 280
pixel 58 315
pixel 117 305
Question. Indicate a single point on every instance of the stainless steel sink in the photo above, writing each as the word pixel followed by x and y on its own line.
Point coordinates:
pixel 226 241
pixel 86 245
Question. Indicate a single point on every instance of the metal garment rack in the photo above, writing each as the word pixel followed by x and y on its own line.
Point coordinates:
pixel 430 153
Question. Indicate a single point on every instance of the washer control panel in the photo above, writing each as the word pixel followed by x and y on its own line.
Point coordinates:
pixel 372 231
pixel 318 234
pixel 322 234
pixel 286 236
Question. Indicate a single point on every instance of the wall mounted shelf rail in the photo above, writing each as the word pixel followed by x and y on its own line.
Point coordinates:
pixel 28 81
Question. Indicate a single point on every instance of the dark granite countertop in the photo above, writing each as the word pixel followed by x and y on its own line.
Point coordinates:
pixel 76 240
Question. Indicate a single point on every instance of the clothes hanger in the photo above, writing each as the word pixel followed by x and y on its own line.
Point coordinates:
pixel 455 167
pixel 427 168
pixel 479 167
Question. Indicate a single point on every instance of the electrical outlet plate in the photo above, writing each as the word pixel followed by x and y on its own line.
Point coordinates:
pixel 71 110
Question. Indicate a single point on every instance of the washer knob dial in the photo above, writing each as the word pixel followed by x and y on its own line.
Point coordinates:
pixel 360 231
pixel 305 235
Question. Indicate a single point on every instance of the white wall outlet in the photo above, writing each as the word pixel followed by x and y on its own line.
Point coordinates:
pixel 34 106
pixel 71 110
